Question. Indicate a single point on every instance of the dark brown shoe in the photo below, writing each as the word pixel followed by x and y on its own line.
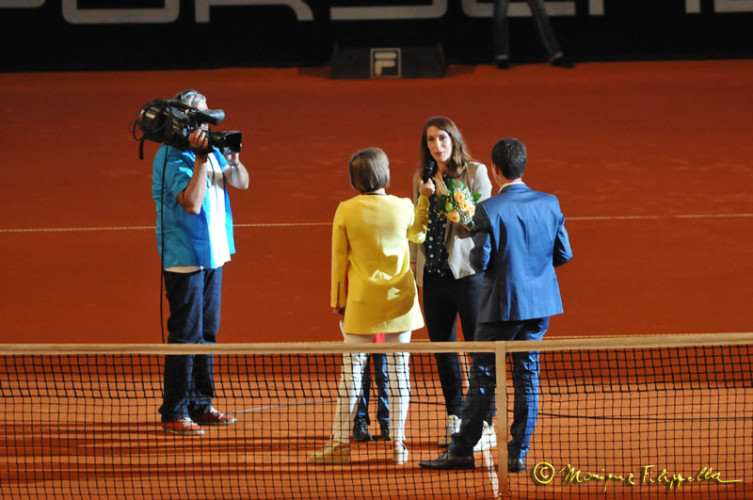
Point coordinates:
pixel 449 461
pixel 516 465
pixel 562 62
pixel 361 430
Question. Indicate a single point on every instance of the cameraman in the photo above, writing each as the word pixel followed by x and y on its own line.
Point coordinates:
pixel 194 239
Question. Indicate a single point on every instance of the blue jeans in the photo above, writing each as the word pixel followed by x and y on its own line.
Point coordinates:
pixel 194 300
pixel 525 379
pixel 501 30
pixel 446 298
pixel 382 383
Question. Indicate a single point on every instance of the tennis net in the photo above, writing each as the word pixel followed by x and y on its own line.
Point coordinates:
pixel 620 417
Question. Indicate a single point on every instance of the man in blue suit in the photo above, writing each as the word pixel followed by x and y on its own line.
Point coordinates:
pixel 519 238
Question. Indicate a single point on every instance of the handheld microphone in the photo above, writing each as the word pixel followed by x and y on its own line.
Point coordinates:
pixel 430 168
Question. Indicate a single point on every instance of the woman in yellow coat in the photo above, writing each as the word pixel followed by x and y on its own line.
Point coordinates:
pixel 374 290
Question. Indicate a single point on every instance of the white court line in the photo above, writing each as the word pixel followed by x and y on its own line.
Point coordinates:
pixel 304 224
pixel 285 405
pixel 151 228
pixel 651 217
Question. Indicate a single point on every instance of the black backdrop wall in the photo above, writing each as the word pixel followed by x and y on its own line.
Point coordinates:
pixel 58 35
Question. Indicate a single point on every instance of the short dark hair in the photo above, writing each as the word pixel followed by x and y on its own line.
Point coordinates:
pixel 510 156
pixel 369 170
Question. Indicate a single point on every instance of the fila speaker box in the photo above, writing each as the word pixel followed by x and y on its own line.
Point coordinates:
pixel 423 61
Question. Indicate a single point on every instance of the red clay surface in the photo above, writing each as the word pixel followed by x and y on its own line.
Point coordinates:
pixel 652 162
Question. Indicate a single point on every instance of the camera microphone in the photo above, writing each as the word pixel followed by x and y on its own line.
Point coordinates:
pixel 211 116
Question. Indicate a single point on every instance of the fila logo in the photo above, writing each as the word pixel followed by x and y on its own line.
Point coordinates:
pixel 385 63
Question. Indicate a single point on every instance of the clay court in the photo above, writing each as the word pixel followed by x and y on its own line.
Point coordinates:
pixel 652 163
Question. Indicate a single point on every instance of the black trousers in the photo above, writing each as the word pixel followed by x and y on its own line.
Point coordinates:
pixel 501 32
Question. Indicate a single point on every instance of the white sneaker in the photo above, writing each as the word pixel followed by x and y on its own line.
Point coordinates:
pixel 400 454
pixel 453 427
pixel 488 438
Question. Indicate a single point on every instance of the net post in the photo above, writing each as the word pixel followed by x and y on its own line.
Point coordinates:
pixel 500 355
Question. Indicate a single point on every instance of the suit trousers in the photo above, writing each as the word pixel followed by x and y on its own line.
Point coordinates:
pixel 501 29
pixel 525 375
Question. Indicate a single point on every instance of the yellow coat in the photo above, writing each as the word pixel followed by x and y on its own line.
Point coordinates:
pixel 371 275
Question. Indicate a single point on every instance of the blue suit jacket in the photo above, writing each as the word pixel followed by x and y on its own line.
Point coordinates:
pixel 519 238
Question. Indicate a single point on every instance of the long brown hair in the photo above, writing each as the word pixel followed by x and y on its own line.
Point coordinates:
pixel 460 154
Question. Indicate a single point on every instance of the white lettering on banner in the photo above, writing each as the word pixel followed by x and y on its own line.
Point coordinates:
pixel 74 15
pixel 435 10
pixel 383 60
pixel 438 8
pixel 302 11
pixel 733 5
pixel 20 4
pixel 517 9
